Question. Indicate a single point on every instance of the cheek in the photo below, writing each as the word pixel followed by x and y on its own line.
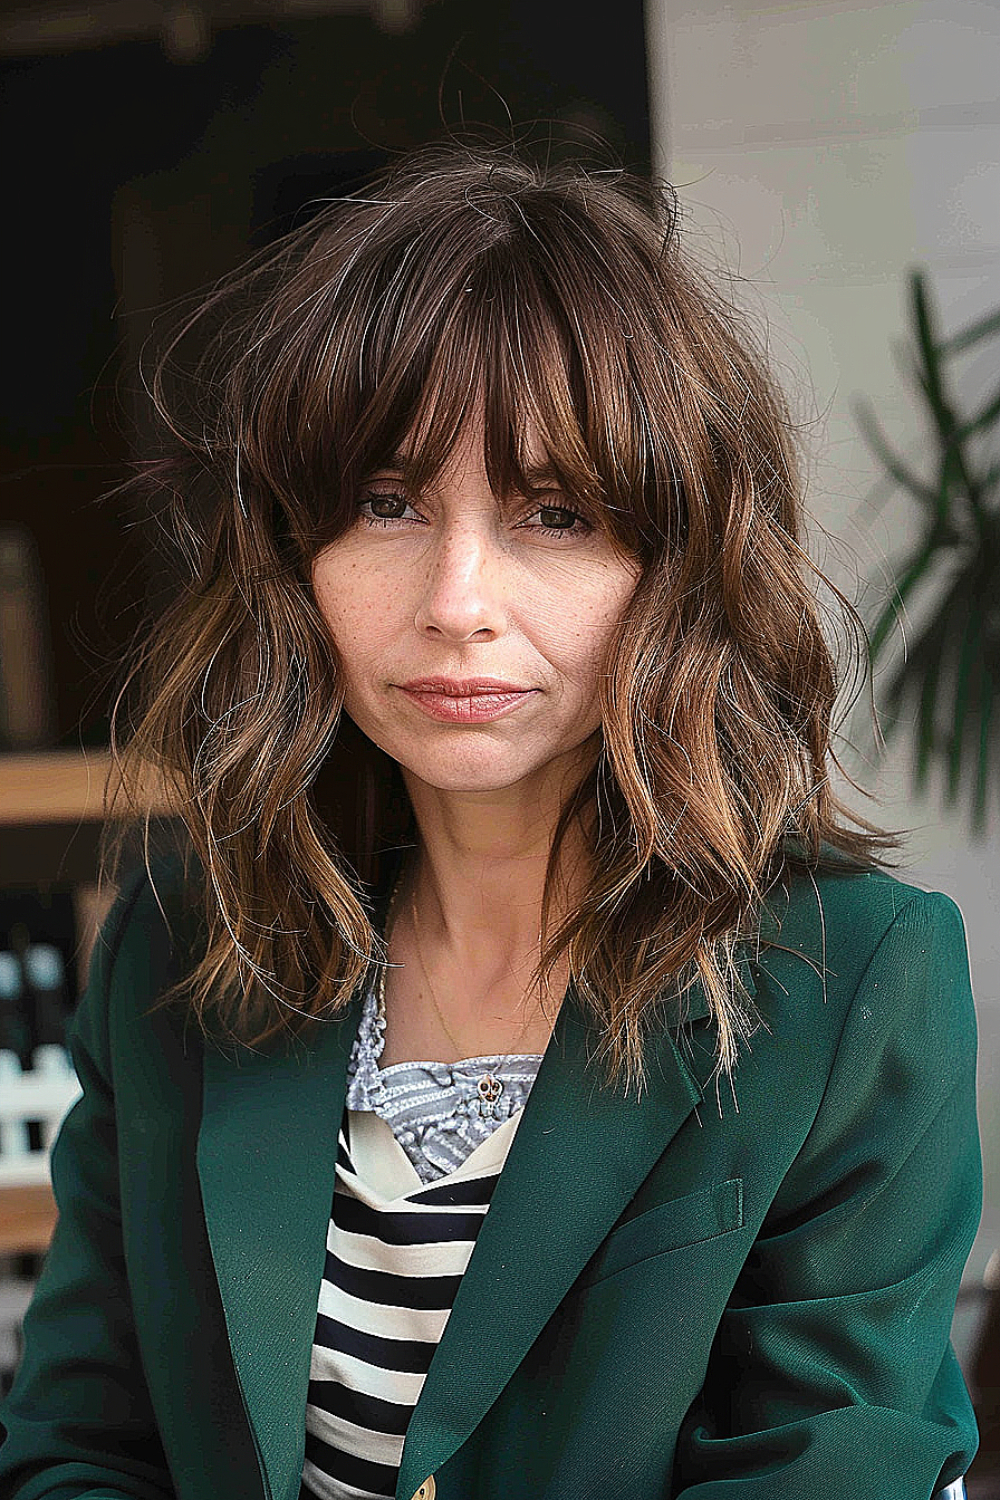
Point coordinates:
pixel 352 604
pixel 580 622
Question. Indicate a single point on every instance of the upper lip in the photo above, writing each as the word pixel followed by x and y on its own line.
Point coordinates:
pixel 462 687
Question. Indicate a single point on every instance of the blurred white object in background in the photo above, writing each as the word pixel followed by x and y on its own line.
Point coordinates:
pixel 45 1092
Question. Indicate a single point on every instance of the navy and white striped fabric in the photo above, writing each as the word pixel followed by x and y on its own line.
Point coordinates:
pixel 397 1249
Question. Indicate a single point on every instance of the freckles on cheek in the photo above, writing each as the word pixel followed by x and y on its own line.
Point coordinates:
pixel 583 632
pixel 343 597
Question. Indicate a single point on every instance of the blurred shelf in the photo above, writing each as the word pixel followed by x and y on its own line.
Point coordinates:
pixel 27 1218
pixel 53 786
pixel 52 814
pixel 58 786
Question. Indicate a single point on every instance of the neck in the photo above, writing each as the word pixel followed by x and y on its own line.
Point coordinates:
pixel 479 875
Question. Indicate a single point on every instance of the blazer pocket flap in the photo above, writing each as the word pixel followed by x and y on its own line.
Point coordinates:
pixel 669 1226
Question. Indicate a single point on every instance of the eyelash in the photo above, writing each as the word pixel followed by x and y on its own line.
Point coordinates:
pixel 580 527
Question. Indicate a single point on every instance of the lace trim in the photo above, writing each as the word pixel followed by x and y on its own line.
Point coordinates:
pixel 432 1107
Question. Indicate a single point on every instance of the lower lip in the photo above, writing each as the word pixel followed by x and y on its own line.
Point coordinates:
pixel 478 708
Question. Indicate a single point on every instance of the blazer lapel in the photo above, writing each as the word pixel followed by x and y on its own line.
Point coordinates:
pixel 267 1152
pixel 578 1157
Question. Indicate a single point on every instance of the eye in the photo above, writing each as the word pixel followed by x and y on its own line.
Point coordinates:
pixel 559 520
pixel 382 507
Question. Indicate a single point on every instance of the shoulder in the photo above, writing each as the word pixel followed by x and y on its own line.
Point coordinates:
pixel 882 955
pixel 155 916
pixel 147 943
pixel 853 908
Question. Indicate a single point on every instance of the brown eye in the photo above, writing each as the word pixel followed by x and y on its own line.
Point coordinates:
pixel 383 506
pixel 559 520
pixel 554 517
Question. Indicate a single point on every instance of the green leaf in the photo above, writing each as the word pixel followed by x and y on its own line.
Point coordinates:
pixel 990 478
pixel 910 671
pixel 904 586
pixel 953 669
pixel 931 373
pixel 965 684
pixel 985 417
pixel 921 654
pixel 966 337
pixel 904 477
pixel 954 466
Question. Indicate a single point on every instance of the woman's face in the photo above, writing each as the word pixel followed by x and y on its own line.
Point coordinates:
pixel 472 634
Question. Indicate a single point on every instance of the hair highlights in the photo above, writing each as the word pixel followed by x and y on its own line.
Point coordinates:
pixel 468 280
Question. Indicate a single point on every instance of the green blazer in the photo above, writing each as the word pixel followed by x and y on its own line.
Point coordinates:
pixel 692 1296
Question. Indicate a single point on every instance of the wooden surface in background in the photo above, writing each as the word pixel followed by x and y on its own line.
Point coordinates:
pixel 27 1219
pixel 59 786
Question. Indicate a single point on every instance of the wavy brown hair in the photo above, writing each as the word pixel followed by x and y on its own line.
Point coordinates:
pixel 469 280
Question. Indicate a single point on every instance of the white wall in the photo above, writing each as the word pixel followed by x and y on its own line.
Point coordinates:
pixel 823 149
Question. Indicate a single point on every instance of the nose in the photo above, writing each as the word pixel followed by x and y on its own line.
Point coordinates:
pixel 462 594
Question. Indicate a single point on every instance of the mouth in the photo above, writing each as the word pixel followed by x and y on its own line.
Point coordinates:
pixel 474 700
pixel 462 687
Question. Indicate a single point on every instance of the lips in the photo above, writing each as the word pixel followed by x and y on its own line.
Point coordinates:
pixel 462 687
pixel 469 700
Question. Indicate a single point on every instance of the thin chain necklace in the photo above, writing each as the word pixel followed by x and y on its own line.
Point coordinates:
pixel 489 1087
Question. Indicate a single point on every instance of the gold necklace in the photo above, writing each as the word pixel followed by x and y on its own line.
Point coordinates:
pixel 489 1087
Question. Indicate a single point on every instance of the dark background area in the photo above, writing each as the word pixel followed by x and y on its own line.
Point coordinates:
pixel 139 168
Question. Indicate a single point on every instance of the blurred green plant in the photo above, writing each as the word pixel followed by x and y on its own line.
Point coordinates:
pixel 951 672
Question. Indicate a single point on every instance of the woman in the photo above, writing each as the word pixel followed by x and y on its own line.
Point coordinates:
pixel 498 711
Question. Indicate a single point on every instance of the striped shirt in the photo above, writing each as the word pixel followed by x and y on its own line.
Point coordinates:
pixel 396 1250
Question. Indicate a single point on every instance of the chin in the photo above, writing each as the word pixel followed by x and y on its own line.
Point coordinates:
pixel 489 768
pixel 497 777
pixel 477 760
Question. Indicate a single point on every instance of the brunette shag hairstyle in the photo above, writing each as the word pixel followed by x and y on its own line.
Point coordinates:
pixel 469 280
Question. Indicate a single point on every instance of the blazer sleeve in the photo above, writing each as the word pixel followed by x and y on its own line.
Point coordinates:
pixel 78 1421
pixel 832 1371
